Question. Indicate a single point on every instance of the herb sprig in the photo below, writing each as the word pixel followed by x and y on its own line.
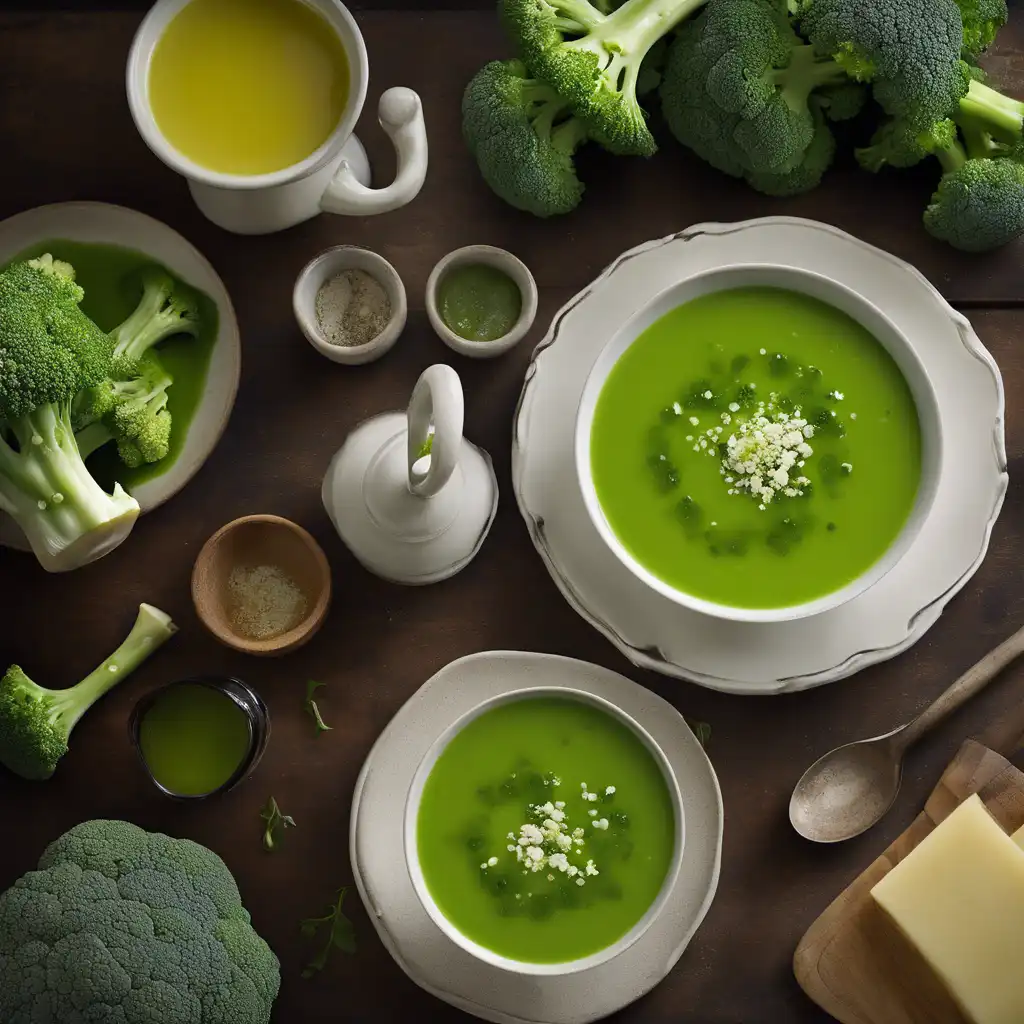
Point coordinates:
pixel 276 823
pixel 702 730
pixel 313 708
pixel 340 934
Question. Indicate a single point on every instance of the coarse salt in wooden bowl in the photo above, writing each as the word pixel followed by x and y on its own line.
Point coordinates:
pixel 265 559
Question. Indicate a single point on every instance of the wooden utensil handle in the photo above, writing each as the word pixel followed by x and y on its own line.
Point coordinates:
pixel 971 682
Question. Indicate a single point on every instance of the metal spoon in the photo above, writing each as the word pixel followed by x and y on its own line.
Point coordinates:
pixel 852 787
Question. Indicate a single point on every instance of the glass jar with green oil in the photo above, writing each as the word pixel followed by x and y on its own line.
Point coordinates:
pixel 202 736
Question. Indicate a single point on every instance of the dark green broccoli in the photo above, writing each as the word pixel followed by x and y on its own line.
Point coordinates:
pixel 523 136
pixel 909 50
pixel 125 926
pixel 593 59
pixel 741 89
pixel 35 723
pixel 49 352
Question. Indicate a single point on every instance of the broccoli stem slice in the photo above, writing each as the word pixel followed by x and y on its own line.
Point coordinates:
pixel 621 41
pixel 152 629
pixel 987 108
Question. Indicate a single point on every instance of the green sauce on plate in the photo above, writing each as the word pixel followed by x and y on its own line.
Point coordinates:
pixel 109 275
pixel 193 738
pixel 520 766
pixel 478 302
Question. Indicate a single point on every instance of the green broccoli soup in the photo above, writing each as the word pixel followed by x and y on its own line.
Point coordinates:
pixel 545 830
pixel 756 448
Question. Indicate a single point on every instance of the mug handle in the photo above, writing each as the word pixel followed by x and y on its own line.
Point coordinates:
pixel 400 112
pixel 437 399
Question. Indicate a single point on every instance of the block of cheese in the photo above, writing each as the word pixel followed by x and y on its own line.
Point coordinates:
pixel 958 897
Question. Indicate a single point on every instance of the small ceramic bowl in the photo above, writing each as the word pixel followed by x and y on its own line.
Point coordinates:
pixel 252 541
pixel 321 269
pixel 244 696
pixel 491 257
pixel 411 829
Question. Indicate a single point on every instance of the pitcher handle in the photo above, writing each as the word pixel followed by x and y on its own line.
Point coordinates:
pixel 401 115
pixel 437 398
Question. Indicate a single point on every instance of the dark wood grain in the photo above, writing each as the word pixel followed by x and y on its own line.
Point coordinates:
pixel 66 134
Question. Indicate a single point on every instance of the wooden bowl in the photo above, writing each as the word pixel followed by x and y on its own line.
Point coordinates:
pixel 261 540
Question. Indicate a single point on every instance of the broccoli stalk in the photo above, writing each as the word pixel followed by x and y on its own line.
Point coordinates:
pixel 523 136
pixel 50 351
pixel 67 518
pixel 594 60
pixel 36 723
pixel 989 112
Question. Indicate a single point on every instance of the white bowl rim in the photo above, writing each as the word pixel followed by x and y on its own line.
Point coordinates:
pixel 411 815
pixel 924 399
pixel 151 31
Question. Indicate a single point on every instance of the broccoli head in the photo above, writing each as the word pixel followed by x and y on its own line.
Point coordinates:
pixel 909 50
pixel 49 352
pixel 744 92
pixel 594 60
pixel 523 136
pixel 979 204
pixel 982 20
pixel 35 723
pixel 127 926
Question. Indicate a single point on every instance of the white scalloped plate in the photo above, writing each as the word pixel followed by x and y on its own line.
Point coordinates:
pixel 431 959
pixel 755 658
pixel 106 224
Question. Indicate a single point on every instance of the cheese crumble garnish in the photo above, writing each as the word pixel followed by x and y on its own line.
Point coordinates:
pixel 764 454
pixel 546 843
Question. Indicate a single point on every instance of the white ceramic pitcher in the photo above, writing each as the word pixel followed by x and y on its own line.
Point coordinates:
pixel 334 179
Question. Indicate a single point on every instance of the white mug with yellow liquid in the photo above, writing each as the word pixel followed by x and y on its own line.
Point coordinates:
pixel 254 102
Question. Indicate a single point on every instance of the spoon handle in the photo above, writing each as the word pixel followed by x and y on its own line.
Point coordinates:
pixel 973 681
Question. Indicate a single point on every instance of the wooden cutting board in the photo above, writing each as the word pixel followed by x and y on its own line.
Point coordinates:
pixel 852 962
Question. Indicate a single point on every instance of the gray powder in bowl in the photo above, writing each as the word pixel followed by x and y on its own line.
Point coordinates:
pixel 352 308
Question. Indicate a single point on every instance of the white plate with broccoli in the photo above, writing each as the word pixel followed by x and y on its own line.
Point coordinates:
pixel 159 411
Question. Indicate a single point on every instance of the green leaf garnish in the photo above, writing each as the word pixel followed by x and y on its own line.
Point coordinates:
pixel 426 447
pixel 340 934
pixel 701 730
pixel 276 823
pixel 311 706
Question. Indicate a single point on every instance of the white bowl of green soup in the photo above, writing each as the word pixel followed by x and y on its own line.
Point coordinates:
pixel 759 443
pixel 544 831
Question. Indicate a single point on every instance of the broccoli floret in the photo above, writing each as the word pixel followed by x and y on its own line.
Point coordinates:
pixel 817 159
pixel 982 20
pixel 593 59
pixel 523 137
pixel 909 50
pixel 49 352
pixel 165 309
pixel 129 927
pixel 741 89
pixel 130 405
pixel 131 412
pixel 35 723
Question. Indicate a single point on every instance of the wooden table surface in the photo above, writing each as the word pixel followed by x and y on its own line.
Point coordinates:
pixel 65 134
